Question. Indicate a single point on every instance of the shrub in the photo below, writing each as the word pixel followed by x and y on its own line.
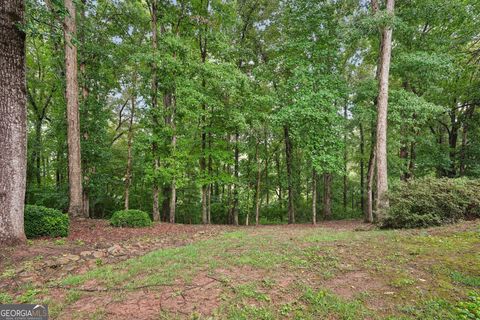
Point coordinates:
pixel 43 221
pixel 130 218
pixel 428 202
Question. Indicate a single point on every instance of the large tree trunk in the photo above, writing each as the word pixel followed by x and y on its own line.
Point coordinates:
pixel 288 157
pixel 382 106
pixel 75 208
pixel 13 123
pixel 314 196
pixel 327 195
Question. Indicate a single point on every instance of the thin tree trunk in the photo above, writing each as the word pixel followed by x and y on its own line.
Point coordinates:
pixel 75 208
pixel 279 179
pixel 327 195
pixel 257 188
pixel 288 155
pixel 156 161
pixel 128 174
pixel 13 123
pixel 85 135
pixel 173 194
pixel 370 177
pixel 38 151
pixel 345 176
pixel 463 150
pixel 210 185
pixel 382 106
pixel 203 162
pixel 267 163
pixel 362 169
pixel 235 185
pixel 314 196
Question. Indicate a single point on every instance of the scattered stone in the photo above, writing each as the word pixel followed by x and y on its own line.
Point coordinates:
pixel 61 261
pixel 26 274
pixel 116 250
pixel 69 267
pixel 86 254
pixel 389 293
pixel 99 254
pixel 72 257
pixel 422 280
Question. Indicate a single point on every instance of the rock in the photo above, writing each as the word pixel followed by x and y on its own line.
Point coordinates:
pixel 26 274
pixel 69 267
pixel 61 261
pixel 50 263
pixel 116 250
pixel 72 257
pixel 99 254
pixel 86 254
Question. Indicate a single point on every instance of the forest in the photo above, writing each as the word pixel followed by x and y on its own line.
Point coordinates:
pixel 136 133
pixel 223 112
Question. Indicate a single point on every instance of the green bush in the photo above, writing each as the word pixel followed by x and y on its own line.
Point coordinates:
pixel 130 218
pixel 426 202
pixel 43 221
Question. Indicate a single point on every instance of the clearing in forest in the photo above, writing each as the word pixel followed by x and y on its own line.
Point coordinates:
pixel 337 270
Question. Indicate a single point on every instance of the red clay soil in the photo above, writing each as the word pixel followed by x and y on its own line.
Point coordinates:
pixel 93 234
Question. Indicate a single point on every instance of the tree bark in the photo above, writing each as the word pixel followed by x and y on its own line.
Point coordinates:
pixel 154 94
pixel 288 157
pixel 327 195
pixel 370 177
pixel 75 208
pixel 257 188
pixel 128 174
pixel 362 168
pixel 173 186
pixel 382 106
pixel 314 196
pixel 345 155
pixel 235 185
pixel 13 123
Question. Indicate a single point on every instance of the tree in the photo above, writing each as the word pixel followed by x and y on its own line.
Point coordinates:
pixel 13 116
pixel 382 106
pixel 75 208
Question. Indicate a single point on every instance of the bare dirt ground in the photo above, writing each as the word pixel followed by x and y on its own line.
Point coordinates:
pixel 91 243
pixel 335 270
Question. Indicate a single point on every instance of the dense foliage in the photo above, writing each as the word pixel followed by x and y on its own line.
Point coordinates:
pixel 432 202
pixel 130 218
pixel 242 105
pixel 41 221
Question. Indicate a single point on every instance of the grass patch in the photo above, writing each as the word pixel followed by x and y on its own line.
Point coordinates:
pixel 471 281
pixel 273 273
